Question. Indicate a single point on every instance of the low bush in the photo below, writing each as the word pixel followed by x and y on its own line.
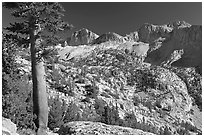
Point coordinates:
pixel 17 101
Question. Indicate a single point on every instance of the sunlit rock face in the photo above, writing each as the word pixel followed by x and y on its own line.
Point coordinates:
pixel 97 128
pixel 178 24
pixel 8 127
pixel 133 36
pixel 82 37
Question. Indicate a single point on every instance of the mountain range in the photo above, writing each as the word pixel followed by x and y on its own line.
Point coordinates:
pixel 177 43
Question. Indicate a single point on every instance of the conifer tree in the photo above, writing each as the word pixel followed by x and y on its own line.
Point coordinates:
pixel 37 28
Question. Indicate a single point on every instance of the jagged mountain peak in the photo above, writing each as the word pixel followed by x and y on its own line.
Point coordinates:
pixel 149 32
pixel 132 36
pixel 178 24
pixel 109 36
pixel 155 27
pixel 172 24
pixel 82 30
pixel 82 37
pixel 85 30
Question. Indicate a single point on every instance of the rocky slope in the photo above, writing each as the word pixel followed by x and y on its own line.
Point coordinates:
pixel 141 96
pixel 105 82
pixel 111 87
pixel 138 49
pixel 96 128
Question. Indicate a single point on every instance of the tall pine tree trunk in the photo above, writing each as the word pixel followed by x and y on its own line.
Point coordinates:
pixel 40 104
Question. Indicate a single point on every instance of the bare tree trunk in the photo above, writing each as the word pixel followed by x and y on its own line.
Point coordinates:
pixel 40 104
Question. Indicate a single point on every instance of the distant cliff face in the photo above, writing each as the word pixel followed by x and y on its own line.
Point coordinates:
pixel 180 47
pixel 149 32
pixel 82 37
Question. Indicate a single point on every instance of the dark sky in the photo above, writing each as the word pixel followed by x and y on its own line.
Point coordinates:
pixel 125 17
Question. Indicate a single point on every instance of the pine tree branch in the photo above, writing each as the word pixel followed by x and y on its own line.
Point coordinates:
pixel 18 27
pixel 10 5
pixel 15 39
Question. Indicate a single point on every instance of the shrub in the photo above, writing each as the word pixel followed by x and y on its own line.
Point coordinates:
pixel 182 131
pixel 136 100
pixel 60 112
pixel 57 112
pixel 111 115
pixel 16 100
pixel 131 120
pixel 167 131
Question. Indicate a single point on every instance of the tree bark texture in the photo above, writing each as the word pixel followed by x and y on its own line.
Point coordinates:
pixel 40 104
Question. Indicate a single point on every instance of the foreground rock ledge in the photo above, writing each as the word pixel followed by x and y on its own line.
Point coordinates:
pixel 8 127
pixel 97 128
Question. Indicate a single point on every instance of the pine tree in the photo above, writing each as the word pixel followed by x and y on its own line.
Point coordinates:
pixel 37 28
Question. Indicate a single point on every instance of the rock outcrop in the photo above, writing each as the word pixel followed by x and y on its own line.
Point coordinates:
pixel 178 24
pixel 82 37
pixel 8 127
pixel 133 36
pixel 97 128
